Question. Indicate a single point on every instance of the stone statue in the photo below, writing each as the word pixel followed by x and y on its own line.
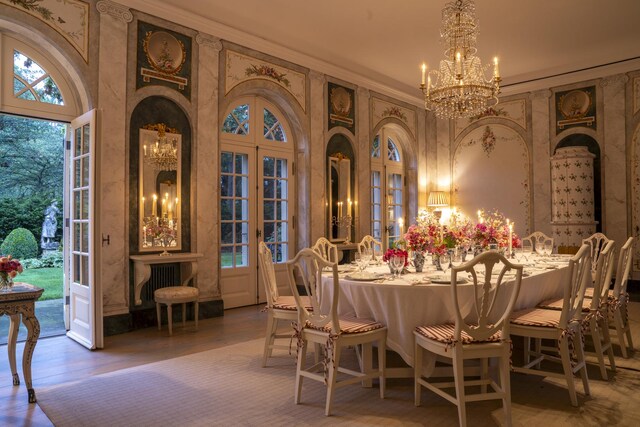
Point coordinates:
pixel 49 227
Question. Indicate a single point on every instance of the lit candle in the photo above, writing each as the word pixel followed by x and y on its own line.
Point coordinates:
pixel 428 84
pixel 510 237
pixel 441 229
pixel 169 210
pixel 143 213
pixel 355 214
pixel 154 207
pixel 144 149
pixel 458 65
pixel 401 224
pixel 479 216
pixel 164 207
pixel 496 71
pixel 339 209
pixel 424 72
pixel 349 207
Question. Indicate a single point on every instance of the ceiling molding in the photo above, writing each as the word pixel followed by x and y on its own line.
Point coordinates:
pixel 180 16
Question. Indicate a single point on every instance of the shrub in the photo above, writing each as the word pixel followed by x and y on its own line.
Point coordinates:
pixel 49 260
pixel 20 243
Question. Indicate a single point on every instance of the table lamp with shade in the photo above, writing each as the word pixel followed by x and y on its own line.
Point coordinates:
pixel 436 201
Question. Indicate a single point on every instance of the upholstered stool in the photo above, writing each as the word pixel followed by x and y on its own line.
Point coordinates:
pixel 176 295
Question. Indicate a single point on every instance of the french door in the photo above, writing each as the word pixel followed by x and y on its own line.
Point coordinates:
pixel 85 300
pixel 253 210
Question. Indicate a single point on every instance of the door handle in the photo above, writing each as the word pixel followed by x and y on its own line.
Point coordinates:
pixel 258 233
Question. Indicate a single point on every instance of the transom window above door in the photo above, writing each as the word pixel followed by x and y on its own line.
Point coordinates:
pixel 32 82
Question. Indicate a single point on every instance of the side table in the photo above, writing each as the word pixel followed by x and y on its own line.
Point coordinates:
pixel 20 301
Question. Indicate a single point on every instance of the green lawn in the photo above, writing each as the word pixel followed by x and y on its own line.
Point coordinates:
pixel 48 278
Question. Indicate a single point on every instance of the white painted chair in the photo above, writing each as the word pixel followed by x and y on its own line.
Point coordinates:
pixel 327 250
pixel 595 309
pixel 619 298
pixel 481 335
pixel 176 295
pixel 560 326
pixel 596 242
pixel 538 238
pixel 368 242
pixel 278 307
pixel 332 332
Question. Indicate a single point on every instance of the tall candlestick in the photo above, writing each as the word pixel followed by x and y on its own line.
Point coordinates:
pixel 401 224
pixel 154 206
pixel 510 239
pixel 424 72
pixel 428 84
pixel 496 71
pixel 355 213
pixel 349 207
pixel 169 210
pixel 143 212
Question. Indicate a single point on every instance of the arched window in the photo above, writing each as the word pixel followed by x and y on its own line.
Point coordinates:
pixel 32 84
pixel 257 195
pixel 387 189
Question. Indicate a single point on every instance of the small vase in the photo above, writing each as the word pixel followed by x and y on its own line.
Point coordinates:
pixel 436 261
pixel 6 282
pixel 418 261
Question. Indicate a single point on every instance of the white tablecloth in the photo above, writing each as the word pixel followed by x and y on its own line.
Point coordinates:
pixel 402 305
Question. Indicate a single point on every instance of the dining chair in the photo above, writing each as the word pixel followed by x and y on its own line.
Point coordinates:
pixel 326 249
pixel 595 309
pixel 538 238
pixel 619 299
pixel 481 335
pixel 368 242
pixel 322 326
pixel 278 307
pixel 596 243
pixel 560 326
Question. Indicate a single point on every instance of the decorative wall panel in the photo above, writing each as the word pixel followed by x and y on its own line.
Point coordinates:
pixel 576 107
pixel 635 197
pixel 491 171
pixel 341 107
pixel 572 213
pixel 241 68
pixel 70 18
pixel 636 95
pixel 511 110
pixel 383 109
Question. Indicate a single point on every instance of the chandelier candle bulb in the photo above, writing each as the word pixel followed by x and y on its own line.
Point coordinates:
pixel 510 238
pixel 355 209
pixel 349 208
pixel 496 71
pixel 424 72
pixel 164 207
pixel 428 85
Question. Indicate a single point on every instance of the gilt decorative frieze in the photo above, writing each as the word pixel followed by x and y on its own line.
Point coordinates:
pixel 241 68
pixel 70 18
pixel 383 109
pixel 514 111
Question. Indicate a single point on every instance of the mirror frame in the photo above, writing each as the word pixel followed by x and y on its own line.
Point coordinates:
pixel 148 136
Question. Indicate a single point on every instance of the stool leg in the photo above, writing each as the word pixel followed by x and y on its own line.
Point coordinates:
pixel 195 313
pixel 169 318
pixel 158 312
pixel 184 314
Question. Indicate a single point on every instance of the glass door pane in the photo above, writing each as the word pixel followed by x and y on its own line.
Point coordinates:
pixel 394 205
pixel 275 205
pixel 376 205
pixel 234 209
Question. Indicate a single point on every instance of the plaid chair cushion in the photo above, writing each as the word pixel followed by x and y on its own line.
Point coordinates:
pixel 444 334
pixel 351 325
pixel 537 317
pixel 558 303
pixel 288 302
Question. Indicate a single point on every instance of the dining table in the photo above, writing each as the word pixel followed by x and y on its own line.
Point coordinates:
pixel 415 299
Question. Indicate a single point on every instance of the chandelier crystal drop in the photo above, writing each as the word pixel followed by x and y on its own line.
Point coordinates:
pixel 459 88
pixel 162 154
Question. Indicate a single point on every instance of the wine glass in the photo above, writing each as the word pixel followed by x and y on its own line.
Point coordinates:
pixel 540 249
pixel 398 264
pixel 527 250
pixel 367 254
pixel 548 248
pixel 377 254
pixel 445 259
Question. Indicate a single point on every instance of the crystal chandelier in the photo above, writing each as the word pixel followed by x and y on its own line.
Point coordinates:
pixel 459 88
pixel 162 154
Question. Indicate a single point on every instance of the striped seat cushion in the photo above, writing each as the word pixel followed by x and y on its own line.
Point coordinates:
pixel 351 325
pixel 556 304
pixel 588 293
pixel 537 317
pixel 288 302
pixel 444 334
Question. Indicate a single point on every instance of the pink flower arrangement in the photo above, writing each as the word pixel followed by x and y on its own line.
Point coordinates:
pixel 391 252
pixel 494 229
pixel 10 267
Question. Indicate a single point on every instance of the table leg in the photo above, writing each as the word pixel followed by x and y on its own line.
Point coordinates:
pixel 14 323
pixel 33 328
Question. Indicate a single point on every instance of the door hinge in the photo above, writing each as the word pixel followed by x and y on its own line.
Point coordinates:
pixel 293 168
pixel 66 222
pixel 67 300
pixel 258 233
pixel 293 222
pixel 68 144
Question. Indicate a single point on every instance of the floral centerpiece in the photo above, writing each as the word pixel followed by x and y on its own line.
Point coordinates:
pixel 393 252
pixel 9 268
pixel 493 229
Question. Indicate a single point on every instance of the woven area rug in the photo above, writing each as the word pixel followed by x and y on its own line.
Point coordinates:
pixel 227 386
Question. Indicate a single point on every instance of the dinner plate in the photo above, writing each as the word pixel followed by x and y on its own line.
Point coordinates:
pixel 444 278
pixel 546 266
pixel 363 277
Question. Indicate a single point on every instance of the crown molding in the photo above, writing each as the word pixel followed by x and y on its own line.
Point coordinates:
pixel 180 16
pixel 115 10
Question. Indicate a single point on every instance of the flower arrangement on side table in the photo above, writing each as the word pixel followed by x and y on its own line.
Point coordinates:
pixel 9 268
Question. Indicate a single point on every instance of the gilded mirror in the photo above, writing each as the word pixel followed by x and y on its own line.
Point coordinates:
pixel 339 199
pixel 160 152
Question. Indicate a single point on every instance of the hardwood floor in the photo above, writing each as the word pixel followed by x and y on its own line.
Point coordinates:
pixel 60 360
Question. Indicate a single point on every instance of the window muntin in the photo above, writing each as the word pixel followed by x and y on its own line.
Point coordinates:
pixel 273 130
pixel 32 82
pixel 237 122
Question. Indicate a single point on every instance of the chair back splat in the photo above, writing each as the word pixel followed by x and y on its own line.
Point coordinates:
pixel 596 242
pixel 368 242
pixel 268 272
pixel 327 250
pixel 538 238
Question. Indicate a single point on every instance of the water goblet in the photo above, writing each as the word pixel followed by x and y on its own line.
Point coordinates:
pixel 359 262
pixel 527 250
pixel 548 249
pixel 445 259
pixel 398 264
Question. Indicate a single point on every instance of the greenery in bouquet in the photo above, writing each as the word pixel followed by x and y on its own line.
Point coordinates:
pixel 493 228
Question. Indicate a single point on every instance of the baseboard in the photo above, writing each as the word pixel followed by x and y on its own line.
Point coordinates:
pixel 145 318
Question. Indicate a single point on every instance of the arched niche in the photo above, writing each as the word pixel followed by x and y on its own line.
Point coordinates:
pixel 340 161
pixel 153 110
pixel 582 140
pixel 490 170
